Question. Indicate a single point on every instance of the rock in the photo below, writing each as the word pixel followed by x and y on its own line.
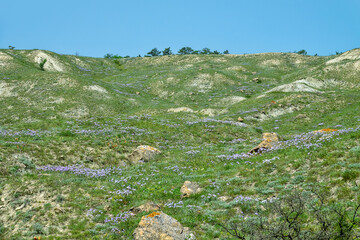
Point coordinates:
pixel 240 119
pixel 147 207
pixel 224 198
pixel 211 112
pixel 159 226
pixel 269 141
pixel 325 130
pixel 181 109
pixel 189 188
pixel 137 93
pixel 143 153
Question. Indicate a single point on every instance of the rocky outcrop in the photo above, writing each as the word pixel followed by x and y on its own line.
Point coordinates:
pixel 159 226
pixel 269 141
pixel 143 153
pixel 147 207
pixel 189 188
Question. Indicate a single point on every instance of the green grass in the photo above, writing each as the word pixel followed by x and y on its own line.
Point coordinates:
pixel 92 115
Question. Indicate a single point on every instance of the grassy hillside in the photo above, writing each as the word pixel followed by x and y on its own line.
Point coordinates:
pixel 66 131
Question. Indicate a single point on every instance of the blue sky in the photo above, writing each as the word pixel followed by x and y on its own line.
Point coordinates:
pixel 94 28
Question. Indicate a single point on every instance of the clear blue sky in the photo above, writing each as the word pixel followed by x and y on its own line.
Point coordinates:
pixel 94 28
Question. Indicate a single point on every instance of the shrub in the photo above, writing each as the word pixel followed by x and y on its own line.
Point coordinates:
pixel 112 56
pixel 154 52
pixel 38 228
pixel 185 50
pixel 205 51
pixel 349 175
pixel 27 162
pixel 2 229
pixel 42 63
pixel 11 47
pixel 108 55
pixel 300 215
pixel 302 52
pixel 167 51
pixel 60 198
pixel 67 133
pixel 226 52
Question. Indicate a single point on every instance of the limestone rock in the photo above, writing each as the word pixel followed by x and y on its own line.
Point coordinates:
pixel 181 109
pixel 269 141
pixel 159 226
pixel 240 119
pixel 143 153
pixel 189 188
pixel 224 198
pixel 147 207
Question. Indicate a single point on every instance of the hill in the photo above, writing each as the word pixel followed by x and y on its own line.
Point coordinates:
pixel 67 129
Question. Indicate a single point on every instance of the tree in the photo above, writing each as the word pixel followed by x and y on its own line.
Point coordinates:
pixel 302 52
pixel 226 52
pixel 154 52
pixel 215 52
pixel 108 55
pixel 186 50
pixel 11 47
pixel 167 51
pixel 205 51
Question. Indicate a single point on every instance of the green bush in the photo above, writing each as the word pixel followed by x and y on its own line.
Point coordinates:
pixel 185 50
pixel 349 175
pixel 38 228
pixel 167 51
pixel 67 133
pixel 302 52
pixel 2 229
pixel 288 218
pixel 42 64
pixel 154 52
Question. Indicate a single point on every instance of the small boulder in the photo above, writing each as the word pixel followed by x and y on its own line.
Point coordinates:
pixel 147 207
pixel 224 198
pixel 269 141
pixel 143 153
pixel 240 119
pixel 325 130
pixel 189 188
pixel 159 226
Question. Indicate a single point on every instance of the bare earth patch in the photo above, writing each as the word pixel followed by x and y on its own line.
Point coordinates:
pixel 96 88
pixel 230 100
pixel 4 59
pixel 6 90
pixel 350 55
pixel 303 85
pixel 181 109
pixel 202 83
pixel 52 64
